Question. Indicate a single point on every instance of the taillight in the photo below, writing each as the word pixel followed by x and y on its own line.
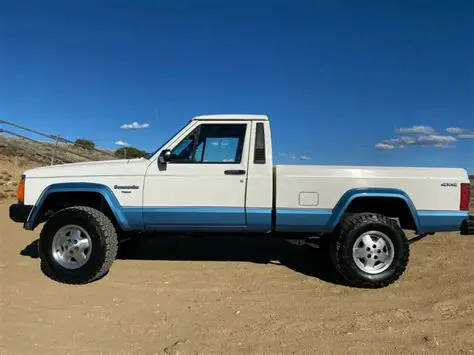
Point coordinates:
pixel 20 194
pixel 465 197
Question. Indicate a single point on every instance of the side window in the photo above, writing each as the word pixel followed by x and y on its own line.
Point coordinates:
pixel 259 152
pixel 211 143
pixel 184 150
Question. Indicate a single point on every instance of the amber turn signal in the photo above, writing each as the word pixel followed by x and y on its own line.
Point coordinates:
pixel 20 194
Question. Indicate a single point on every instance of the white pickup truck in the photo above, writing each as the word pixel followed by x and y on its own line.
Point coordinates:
pixel 216 175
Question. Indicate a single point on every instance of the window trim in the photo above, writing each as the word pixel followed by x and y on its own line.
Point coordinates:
pixel 198 129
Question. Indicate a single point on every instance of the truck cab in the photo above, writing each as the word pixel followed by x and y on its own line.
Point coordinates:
pixel 216 174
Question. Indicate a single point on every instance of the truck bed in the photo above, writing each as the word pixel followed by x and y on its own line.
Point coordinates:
pixel 311 197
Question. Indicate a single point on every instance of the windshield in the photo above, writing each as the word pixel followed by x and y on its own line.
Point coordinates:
pixel 149 155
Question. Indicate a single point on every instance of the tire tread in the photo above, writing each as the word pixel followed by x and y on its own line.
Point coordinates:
pixel 342 265
pixel 110 243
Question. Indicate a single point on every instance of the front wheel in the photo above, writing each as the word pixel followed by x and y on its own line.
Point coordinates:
pixel 370 250
pixel 77 245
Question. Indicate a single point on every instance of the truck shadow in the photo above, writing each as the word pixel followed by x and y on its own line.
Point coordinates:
pixel 306 260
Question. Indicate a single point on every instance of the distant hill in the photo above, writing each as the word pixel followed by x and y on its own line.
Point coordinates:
pixel 48 152
pixel 19 154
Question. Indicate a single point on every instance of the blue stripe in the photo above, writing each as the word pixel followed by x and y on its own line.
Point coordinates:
pixel 133 217
pixel 352 194
pixel 441 221
pixel 105 191
pixel 206 218
pixel 250 219
pixel 194 216
pixel 259 219
pixel 302 220
pixel 325 220
pixel 321 220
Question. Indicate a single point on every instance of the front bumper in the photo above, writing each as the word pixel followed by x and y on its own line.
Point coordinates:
pixel 467 227
pixel 19 212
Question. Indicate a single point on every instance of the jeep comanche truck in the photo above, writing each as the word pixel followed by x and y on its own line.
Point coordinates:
pixel 216 175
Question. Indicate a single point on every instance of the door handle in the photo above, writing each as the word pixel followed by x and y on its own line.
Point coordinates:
pixel 234 172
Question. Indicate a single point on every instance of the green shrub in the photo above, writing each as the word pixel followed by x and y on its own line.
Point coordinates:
pixel 129 152
pixel 85 143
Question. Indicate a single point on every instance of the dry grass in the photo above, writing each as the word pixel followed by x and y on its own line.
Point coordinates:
pixel 11 169
pixel 18 155
pixel 42 152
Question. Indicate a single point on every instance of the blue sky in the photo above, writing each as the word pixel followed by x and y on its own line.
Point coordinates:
pixel 335 77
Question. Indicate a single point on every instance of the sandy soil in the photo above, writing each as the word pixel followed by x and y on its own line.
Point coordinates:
pixel 204 296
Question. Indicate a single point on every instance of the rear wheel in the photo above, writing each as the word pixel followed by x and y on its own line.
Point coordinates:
pixel 370 250
pixel 77 245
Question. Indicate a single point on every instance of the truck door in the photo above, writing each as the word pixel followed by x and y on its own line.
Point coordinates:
pixel 203 186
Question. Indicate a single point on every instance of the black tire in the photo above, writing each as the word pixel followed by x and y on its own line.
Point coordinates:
pixel 346 235
pixel 104 245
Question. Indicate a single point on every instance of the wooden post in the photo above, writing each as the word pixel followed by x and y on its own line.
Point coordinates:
pixel 54 150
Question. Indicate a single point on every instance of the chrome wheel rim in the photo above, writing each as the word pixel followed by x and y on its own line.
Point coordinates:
pixel 71 247
pixel 373 252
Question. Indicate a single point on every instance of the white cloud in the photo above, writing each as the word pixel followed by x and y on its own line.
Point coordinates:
pixel 400 142
pixel 393 141
pixel 408 140
pixel 134 125
pixel 287 155
pixel 456 130
pixel 436 140
pixel 426 136
pixel 417 130
pixel 294 156
pixel 383 146
pixel 432 140
pixel 461 133
pixel 122 143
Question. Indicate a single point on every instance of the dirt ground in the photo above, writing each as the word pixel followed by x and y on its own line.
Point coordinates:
pixel 221 296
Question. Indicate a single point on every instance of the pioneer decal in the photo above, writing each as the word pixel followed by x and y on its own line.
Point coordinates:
pixel 126 187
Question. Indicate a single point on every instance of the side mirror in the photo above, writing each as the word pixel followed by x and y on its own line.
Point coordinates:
pixel 165 156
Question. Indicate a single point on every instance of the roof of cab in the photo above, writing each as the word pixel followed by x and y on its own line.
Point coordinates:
pixel 231 117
